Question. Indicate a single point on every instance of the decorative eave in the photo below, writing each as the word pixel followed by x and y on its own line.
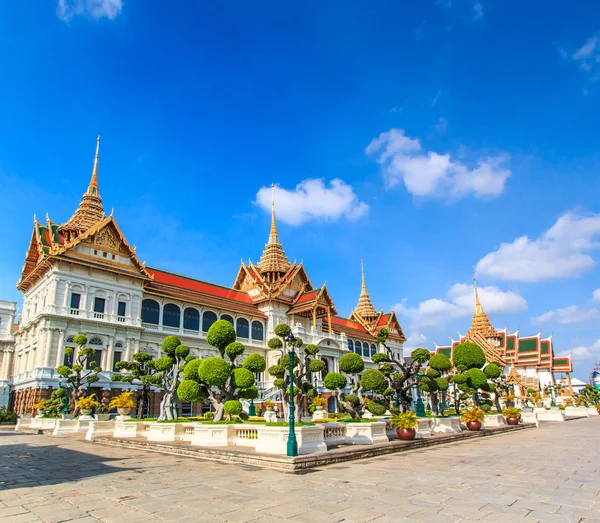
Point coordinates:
pixel 310 302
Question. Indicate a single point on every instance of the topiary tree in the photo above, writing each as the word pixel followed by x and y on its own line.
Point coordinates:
pixel 220 380
pixel 305 364
pixel 439 366
pixel 80 372
pixel 170 366
pixel 141 370
pixel 497 383
pixel 401 375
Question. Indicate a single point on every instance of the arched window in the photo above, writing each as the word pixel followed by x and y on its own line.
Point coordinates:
pixel 208 318
pixel 242 328
pixel 95 341
pixel 351 345
pixel 365 349
pixel 228 318
pixel 326 370
pixel 191 319
pixel 150 311
pixel 70 339
pixel 118 345
pixel 373 349
pixel 358 347
pixel 171 315
pixel 258 332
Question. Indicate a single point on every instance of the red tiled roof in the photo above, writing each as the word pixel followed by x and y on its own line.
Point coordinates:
pixel 342 323
pixel 383 319
pixel 307 296
pixel 199 286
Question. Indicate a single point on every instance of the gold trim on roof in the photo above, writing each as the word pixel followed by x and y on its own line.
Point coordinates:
pixel 365 308
pixel 273 259
pixel 481 323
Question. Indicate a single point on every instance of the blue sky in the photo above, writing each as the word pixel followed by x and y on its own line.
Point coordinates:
pixel 423 137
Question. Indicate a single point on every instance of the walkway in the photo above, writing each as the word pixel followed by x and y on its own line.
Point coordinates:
pixel 547 474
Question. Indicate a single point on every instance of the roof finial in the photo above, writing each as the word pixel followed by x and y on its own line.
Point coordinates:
pixel 273 258
pixel 273 237
pixel 478 308
pixel 93 187
pixel 365 307
pixel 362 268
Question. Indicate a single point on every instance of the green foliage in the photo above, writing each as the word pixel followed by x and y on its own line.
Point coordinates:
pixel 512 412
pixel 282 330
pixel 388 393
pixel 63 371
pixel 209 415
pixel 395 411
pixel 141 357
pixel 316 366
pixel 164 363
pixel 169 344
pixel 373 380
pixel 382 335
pixel 380 357
pixel 243 378
pixel 255 363
pixel 69 351
pixel 351 363
pixel 428 384
pixel 334 381
pixel 459 378
pixel 279 383
pixel 386 369
pixel 232 407
pixel 190 357
pixel 433 373
pixel 80 340
pixel 234 350
pixel 285 360
pixel 220 334
pixel 6 415
pixel 420 356
pixel 406 420
pixel 492 371
pixel 352 399
pixel 485 407
pixel 275 343
pixel 190 371
pixel 442 384
pixel 214 371
pixel 251 393
pixel 298 343
pixel 311 349
pixel 182 352
pixel 189 390
pixel 278 371
pixel 243 416
pixel 377 407
pixel 440 362
pixel 476 378
pixel 469 354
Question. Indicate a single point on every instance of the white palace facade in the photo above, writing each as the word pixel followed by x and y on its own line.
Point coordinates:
pixel 84 277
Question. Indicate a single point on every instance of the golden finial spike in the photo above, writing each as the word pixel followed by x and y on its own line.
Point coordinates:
pixel 478 308
pixel 93 187
pixel 273 237
pixel 362 268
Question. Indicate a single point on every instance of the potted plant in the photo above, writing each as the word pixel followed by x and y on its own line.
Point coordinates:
pixel 86 404
pixel 512 415
pixel 269 405
pixel 318 403
pixel 472 418
pixel 39 406
pixel 124 402
pixel 405 424
pixel 102 414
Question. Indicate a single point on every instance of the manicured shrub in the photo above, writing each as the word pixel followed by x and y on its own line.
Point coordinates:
pixel 334 381
pixel 351 363
pixel 243 378
pixel 459 378
pixel 469 355
pixel 243 416
pixel 182 352
pixel 190 371
pixel 316 366
pixel 214 371
pixel 220 334
pixel 169 344
pixel 476 378
pixel 275 343
pixel 285 361
pixel 81 339
pixel 234 350
pixel 428 384
pixel 442 384
pixel 282 330
pixel 311 349
pixel 373 380
pixel 440 362
pixel 380 357
pixel 278 371
pixel 255 363
pixel 251 393
pixel 189 390
pixel 232 407
pixel 486 408
pixel 492 371
pixel 208 415
pixel 433 373
pixel 352 399
pixel 377 407
pixel 420 355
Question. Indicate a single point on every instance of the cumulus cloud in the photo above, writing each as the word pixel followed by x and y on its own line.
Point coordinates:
pixel 428 173
pixel 560 252
pixel 415 340
pixel 67 9
pixel 596 295
pixel 460 303
pixel 568 315
pixel 312 199
pixel 583 352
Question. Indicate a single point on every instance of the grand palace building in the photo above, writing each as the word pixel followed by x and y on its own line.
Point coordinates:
pixel 83 276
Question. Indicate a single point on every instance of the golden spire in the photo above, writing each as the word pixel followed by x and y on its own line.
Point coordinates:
pixel 90 210
pixel 273 258
pixel 481 323
pixel 365 307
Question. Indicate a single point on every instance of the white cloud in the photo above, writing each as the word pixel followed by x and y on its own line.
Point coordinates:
pixel 596 295
pixel 568 315
pixel 313 200
pixel 460 303
pixel 560 252
pixel 588 58
pixel 415 340
pixel 433 174
pixel 583 352
pixel 67 9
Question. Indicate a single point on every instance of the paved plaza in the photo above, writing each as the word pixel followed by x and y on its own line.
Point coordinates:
pixel 547 474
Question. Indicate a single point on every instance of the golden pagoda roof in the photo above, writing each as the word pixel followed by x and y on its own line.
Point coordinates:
pixel 365 307
pixel 273 258
pixel 481 323
pixel 90 210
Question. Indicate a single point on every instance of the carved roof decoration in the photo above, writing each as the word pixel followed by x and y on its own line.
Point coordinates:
pixel 273 261
pixel 90 210
pixel 365 308
pixel 317 302
pixel 481 323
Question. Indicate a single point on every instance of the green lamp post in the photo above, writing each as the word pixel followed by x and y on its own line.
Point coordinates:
pixel 292 444
pixel 420 411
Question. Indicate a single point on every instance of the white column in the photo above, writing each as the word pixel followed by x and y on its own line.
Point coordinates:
pixel 48 351
pixel 108 357
pixel 128 349
pixel 60 353
pixel 66 299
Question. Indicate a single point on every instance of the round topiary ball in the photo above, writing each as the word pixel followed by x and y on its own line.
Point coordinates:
pixel 442 384
pixel 285 360
pixel 279 383
pixel 377 408
pixel 469 355
pixel 80 340
pixel 440 362
pixel 233 407
pixel 243 378
pixel 492 371
pixel 190 371
pixel 255 363
pixel 351 363
pixel 282 330
pixel 486 408
pixel 278 371
pixel 234 350
pixel 214 372
pixel 251 393
pixel 189 390
pixel 352 399
pixel 420 355
pixel 459 378
pixel 275 343
pixel 316 366
pixel 170 344
pixel 334 381
pixel 182 352
pixel 311 349
pixel 476 378
pixel 380 357
pixel 220 334
pixel 373 379
pixel 433 373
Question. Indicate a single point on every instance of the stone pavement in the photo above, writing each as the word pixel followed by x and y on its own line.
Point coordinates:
pixel 546 474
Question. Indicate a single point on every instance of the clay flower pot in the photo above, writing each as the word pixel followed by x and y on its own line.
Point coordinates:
pixel 512 421
pixel 85 412
pixel 123 411
pixel 474 425
pixel 406 434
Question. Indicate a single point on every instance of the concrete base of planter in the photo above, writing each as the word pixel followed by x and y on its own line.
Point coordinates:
pixel 551 415
pixel 270 416
pixel 423 428
pixel 128 429
pixel 591 411
pixel 366 433
pixel 168 432
pixel 212 435
pixel 99 428
pixel 576 411
pixel 529 417
pixel 494 420
pixel 335 434
pixel 66 426
pixel 445 425
pixel 273 440
pixel 319 414
pixel 43 423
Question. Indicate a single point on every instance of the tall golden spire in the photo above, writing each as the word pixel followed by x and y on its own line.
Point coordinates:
pixel 365 307
pixel 90 210
pixel 273 259
pixel 481 323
